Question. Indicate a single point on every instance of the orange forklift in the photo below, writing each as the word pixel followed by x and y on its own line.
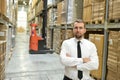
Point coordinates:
pixel 38 43
pixel 34 38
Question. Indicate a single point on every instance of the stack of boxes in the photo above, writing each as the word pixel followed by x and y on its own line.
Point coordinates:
pixel 98 40
pixel 69 10
pixel 114 9
pixel 3 7
pixel 69 33
pixel 48 40
pixel 57 40
pixel 34 3
pixel 29 13
pixel 2 59
pixel 87 10
pixel 8 10
pixel 73 10
pixel 12 11
pixel 98 10
pixel 52 13
pixel 59 37
pixel 35 8
pixel 63 32
pixel 60 8
pixel 2 51
pixel 94 11
pixel 38 7
pixel 113 62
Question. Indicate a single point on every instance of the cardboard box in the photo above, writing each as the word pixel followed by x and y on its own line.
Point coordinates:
pixel 114 9
pixel 112 75
pixel 119 67
pixel 1 47
pixel 0 6
pixel 2 35
pixel 98 73
pixel 87 3
pixel 99 42
pixel 3 7
pixel 87 13
pixel 69 34
pixel 2 58
pixel 112 65
pixel 92 37
pixel 3 27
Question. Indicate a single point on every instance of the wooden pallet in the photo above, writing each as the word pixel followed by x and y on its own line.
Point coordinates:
pixel 87 22
pixel 62 24
pixel 97 78
pixel 114 20
pixel 70 24
pixel 97 22
pixel 4 17
pixel 67 24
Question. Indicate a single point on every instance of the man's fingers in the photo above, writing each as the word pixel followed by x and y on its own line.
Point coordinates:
pixel 86 60
pixel 68 55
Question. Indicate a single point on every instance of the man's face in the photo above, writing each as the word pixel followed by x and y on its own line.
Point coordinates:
pixel 79 30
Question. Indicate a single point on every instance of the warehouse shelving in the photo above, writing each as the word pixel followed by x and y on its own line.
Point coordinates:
pixel 4 19
pixel 7 29
pixel 3 46
pixel 104 28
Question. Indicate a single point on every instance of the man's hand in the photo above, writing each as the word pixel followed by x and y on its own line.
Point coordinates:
pixel 68 55
pixel 85 60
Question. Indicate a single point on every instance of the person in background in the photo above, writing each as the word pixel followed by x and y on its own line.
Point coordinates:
pixel 78 55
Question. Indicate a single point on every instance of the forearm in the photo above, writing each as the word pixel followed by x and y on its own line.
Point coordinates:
pixel 90 65
pixel 70 61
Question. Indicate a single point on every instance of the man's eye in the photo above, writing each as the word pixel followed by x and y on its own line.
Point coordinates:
pixel 78 28
pixel 75 28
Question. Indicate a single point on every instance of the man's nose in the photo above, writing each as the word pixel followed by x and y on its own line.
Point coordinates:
pixel 78 29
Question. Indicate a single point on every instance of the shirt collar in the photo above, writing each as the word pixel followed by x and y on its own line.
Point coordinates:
pixel 81 41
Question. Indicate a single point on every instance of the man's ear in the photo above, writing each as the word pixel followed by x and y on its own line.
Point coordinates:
pixel 85 30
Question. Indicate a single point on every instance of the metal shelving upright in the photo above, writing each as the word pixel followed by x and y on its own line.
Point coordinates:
pixel 105 52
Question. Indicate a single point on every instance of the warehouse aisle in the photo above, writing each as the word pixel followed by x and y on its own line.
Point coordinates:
pixel 25 66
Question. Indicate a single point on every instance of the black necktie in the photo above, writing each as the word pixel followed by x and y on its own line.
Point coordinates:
pixel 80 75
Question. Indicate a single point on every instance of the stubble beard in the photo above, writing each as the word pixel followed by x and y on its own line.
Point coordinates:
pixel 78 36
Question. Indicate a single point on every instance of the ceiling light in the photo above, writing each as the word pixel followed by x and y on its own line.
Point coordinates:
pixel 24 3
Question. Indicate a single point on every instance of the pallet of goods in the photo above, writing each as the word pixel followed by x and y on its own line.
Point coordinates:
pixel 57 40
pixel 98 11
pixel 114 11
pixel 98 40
pixel 113 61
pixel 87 11
pixel 2 51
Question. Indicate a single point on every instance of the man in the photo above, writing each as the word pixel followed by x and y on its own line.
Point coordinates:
pixel 75 65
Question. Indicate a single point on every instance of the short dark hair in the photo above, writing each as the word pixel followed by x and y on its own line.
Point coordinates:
pixel 79 21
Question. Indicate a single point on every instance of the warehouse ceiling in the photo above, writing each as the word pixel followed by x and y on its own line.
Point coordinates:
pixel 23 2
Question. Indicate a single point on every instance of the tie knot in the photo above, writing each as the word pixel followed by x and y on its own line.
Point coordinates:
pixel 78 42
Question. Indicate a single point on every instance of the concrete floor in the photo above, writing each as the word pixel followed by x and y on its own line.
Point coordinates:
pixel 25 66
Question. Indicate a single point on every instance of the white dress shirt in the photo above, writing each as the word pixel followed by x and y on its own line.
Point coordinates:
pixel 88 50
